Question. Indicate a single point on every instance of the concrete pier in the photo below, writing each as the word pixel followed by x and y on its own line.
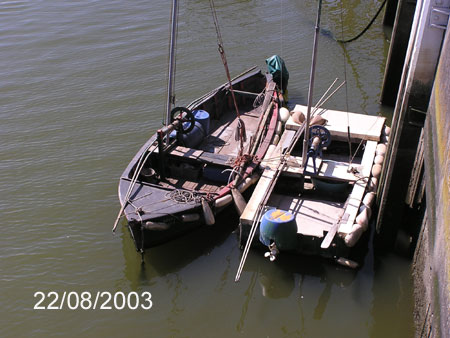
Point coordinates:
pixel 432 259
pixel 415 184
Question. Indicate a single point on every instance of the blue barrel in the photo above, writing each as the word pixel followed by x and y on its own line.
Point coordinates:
pixel 279 226
pixel 194 137
pixel 202 116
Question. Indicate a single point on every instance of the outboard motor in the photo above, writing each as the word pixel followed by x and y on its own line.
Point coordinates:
pixel 278 231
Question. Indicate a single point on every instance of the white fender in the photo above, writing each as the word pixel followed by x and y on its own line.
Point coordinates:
pixel 363 219
pixel 352 237
pixel 249 181
pixel 279 128
pixel 298 117
pixel 379 159
pixel 381 149
pixel 369 199
pixel 373 184
pixel 239 201
pixel 224 201
pixel 283 115
pixel 376 170
pixel 155 226
pixel 190 217
pixel 364 207
pixel 276 139
pixel 347 262
pixel 207 213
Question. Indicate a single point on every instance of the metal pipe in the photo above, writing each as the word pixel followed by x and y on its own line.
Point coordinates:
pixel 172 57
pixel 311 84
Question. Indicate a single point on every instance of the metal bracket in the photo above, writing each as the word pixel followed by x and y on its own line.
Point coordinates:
pixel 416 117
pixel 439 17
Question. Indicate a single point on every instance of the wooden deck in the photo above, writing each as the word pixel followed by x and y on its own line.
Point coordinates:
pixel 315 214
pixel 366 127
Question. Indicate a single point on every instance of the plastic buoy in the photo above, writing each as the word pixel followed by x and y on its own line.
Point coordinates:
pixel 379 159
pixel 279 128
pixel 248 182
pixel 279 227
pixel 381 149
pixel 347 262
pixel 387 130
pixel 155 226
pixel 276 139
pixel 298 117
pixel 283 115
pixel 207 213
pixel 369 199
pixel 373 184
pixel 318 121
pixel 190 217
pixel 239 201
pixel 363 219
pixel 364 207
pixel 376 170
pixel 354 235
pixel 224 201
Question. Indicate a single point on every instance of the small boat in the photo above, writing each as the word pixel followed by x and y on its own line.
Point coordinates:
pixel 206 155
pixel 315 197
pixel 194 167
pixel 324 207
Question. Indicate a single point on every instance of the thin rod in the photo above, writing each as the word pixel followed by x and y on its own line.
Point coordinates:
pixel 311 84
pixel 172 57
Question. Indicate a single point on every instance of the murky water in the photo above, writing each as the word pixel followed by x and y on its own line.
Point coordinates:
pixel 82 87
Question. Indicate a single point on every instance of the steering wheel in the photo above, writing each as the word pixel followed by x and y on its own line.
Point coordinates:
pixel 323 134
pixel 177 114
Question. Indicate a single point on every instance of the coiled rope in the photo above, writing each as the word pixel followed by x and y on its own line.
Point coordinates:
pixel 184 196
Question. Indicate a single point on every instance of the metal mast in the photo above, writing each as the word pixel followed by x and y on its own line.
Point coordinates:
pixel 172 57
pixel 311 85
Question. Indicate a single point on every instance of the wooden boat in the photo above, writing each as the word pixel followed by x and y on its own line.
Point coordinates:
pixel 194 167
pixel 324 207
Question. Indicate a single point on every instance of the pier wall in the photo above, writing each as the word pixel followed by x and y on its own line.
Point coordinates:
pixel 431 267
pixel 414 192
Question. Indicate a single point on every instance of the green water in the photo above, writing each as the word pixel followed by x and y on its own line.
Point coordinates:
pixel 82 87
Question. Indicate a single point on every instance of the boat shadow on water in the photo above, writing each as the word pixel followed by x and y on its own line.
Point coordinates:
pixel 174 255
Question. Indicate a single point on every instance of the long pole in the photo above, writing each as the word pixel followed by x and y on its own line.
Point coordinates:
pixel 173 42
pixel 311 84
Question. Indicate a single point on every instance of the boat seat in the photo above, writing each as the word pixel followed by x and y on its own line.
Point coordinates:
pixel 202 156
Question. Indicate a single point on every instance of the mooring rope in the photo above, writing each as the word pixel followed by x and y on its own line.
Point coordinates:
pixel 241 134
pixel 365 29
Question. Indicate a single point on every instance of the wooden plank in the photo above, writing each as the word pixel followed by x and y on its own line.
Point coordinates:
pixel 313 216
pixel 218 159
pixel 257 196
pixel 186 152
pixel 365 127
pixel 335 170
pixel 330 236
pixel 359 187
